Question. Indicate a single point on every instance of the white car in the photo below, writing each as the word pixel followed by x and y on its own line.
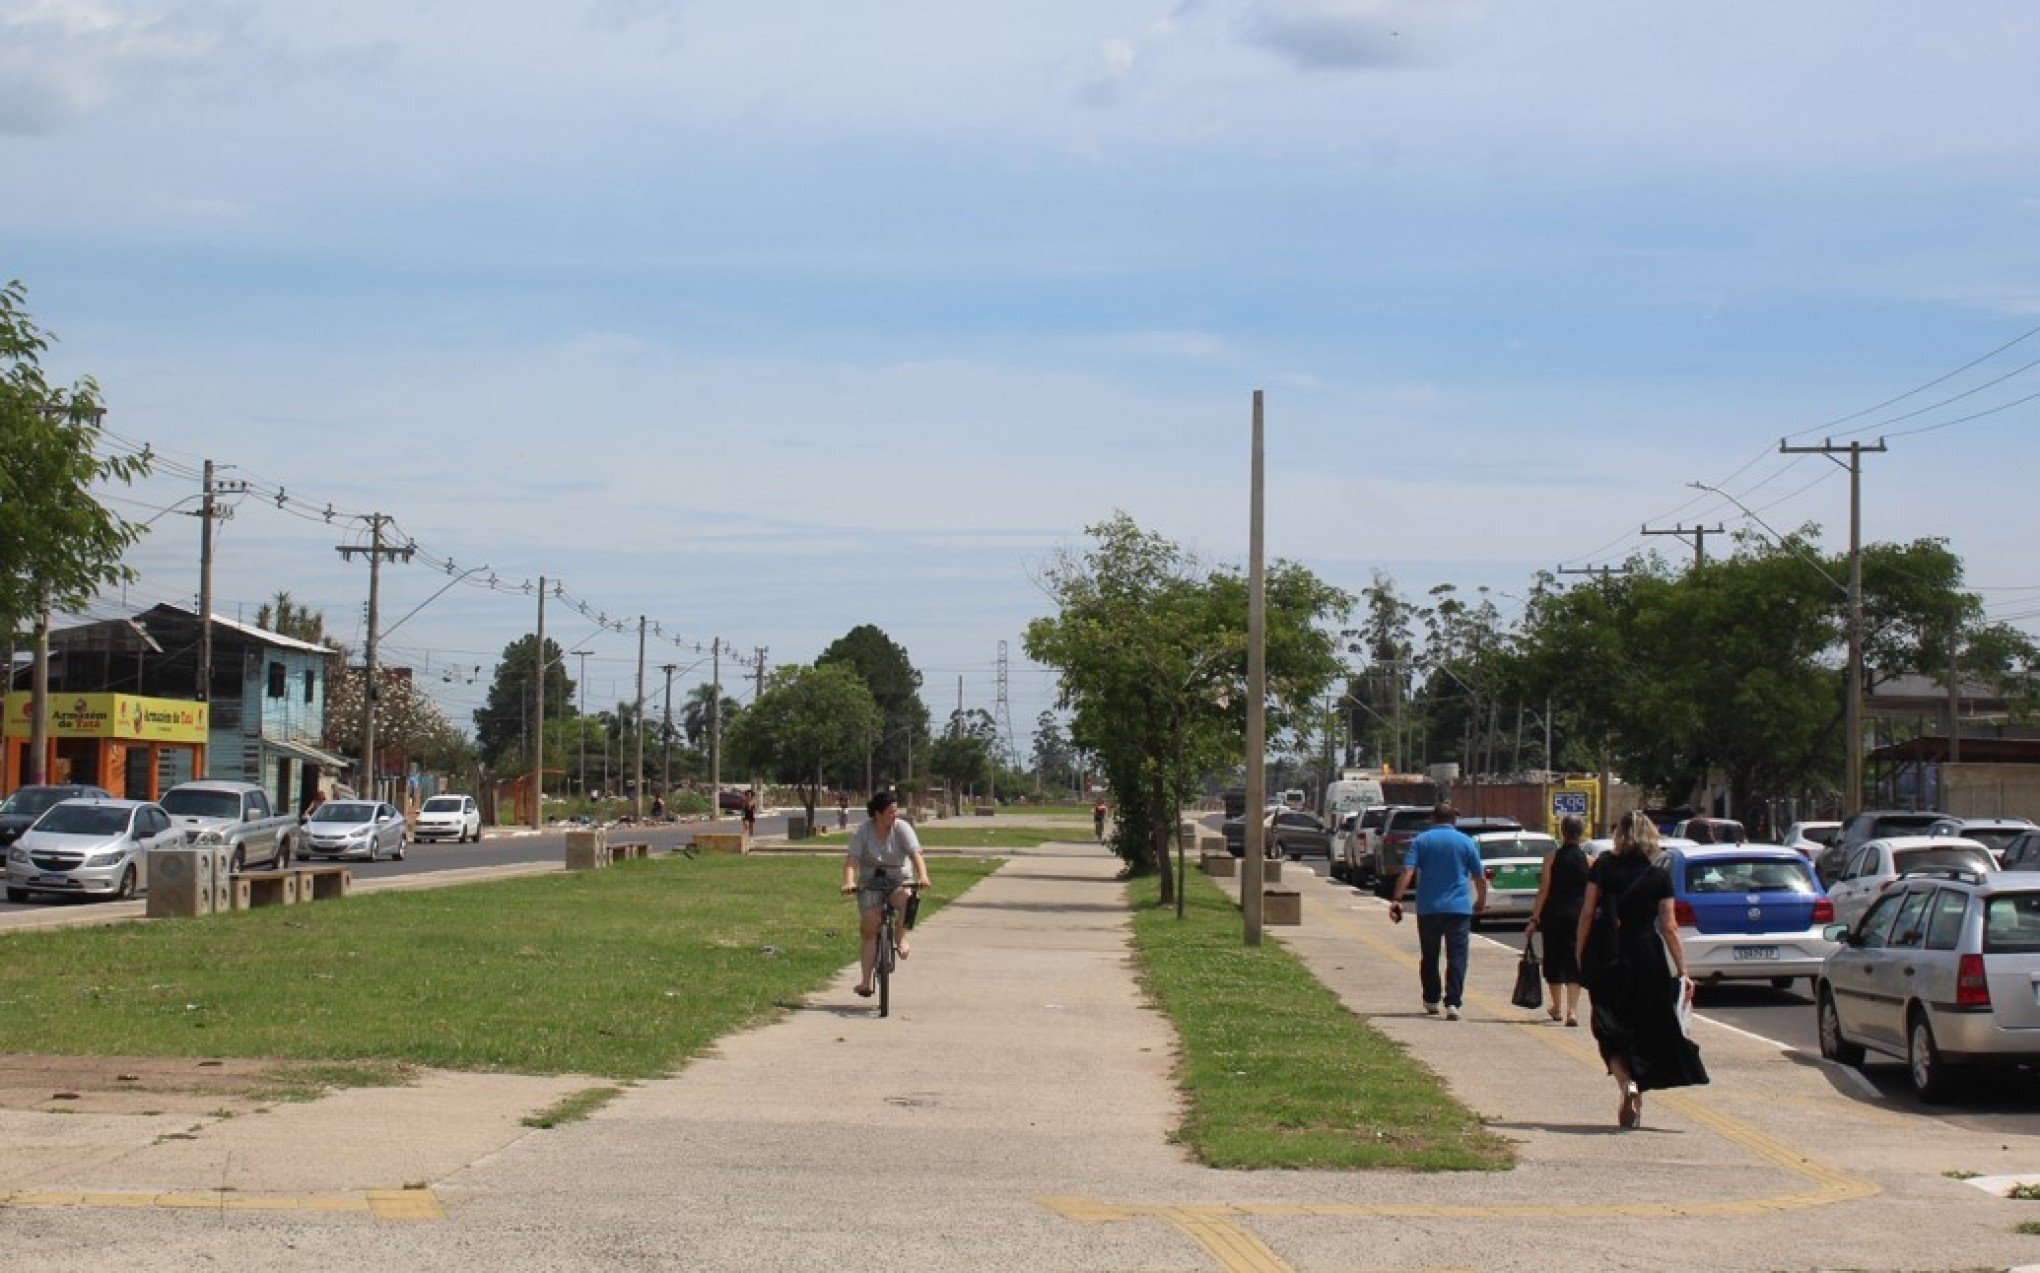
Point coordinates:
pixel 1994 834
pixel 1811 837
pixel 456 818
pixel 94 848
pixel 1513 862
pixel 1873 866
pixel 352 828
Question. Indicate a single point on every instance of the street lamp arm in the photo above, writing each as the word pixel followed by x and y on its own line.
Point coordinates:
pixel 434 597
pixel 1780 539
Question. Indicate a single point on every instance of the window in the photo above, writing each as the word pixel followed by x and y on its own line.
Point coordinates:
pixel 1905 931
pixel 1729 875
pixel 2020 854
pixel 276 678
pixel 258 804
pixel 1944 921
pixel 1878 919
pixel 2011 924
pixel 311 682
pixel 1952 855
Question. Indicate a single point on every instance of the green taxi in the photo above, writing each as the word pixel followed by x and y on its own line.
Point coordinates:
pixel 1513 862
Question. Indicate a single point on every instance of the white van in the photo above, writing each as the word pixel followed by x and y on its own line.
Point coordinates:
pixel 1294 799
pixel 1353 792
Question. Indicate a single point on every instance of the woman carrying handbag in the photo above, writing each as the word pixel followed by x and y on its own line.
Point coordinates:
pixel 1561 893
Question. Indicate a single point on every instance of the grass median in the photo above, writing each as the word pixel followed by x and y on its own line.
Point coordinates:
pixel 970 837
pixel 624 972
pixel 1277 1072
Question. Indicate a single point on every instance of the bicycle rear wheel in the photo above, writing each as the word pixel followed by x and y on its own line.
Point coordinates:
pixel 883 966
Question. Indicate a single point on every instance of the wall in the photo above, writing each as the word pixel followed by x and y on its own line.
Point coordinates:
pixel 1991 791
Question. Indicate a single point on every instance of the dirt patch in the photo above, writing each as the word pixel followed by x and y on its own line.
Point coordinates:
pixel 165 1085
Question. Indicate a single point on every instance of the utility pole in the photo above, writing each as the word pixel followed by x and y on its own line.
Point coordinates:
pixel 209 512
pixel 1852 778
pixel 666 734
pixel 581 724
pixel 640 723
pixel 715 729
pixel 1251 870
pixel 1606 572
pixel 370 691
pixel 760 652
pixel 538 722
pixel 1699 534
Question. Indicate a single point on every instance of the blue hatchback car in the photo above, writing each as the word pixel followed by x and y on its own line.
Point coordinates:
pixel 1749 912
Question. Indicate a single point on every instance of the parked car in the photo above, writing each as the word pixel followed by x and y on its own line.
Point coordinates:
pixel 89 847
pixel 729 801
pixel 1293 833
pixel 1343 832
pixel 1861 828
pixel 352 828
pixel 2022 854
pixel 27 804
pixel 1710 831
pixel 1401 830
pixel 1355 861
pixel 1513 862
pixel 1938 972
pixel 1749 912
pixel 456 818
pixel 1874 866
pixel 1994 834
pixel 1812 837
pixel 234 814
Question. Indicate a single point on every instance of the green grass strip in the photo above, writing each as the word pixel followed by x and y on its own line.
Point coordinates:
pixel 1278 1073
pixel 573 1107
pixel 986 837
pixel 624 972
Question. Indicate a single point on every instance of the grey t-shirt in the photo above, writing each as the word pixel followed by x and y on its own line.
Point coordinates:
pixel 893 855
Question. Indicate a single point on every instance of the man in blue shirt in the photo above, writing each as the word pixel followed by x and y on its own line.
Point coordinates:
pixel 1451 890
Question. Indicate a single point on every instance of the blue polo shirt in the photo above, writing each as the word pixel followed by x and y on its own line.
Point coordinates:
pixel 1445 861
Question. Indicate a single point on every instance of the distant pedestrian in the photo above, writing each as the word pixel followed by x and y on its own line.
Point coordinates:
pixel 842 811
pixel 750 812
pixel 1561 894
pixel 1098 812
pixel 1451 890
pixel 1634 967
pixel 658 807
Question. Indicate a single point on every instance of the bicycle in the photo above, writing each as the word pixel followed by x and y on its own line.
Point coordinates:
pixel 887 951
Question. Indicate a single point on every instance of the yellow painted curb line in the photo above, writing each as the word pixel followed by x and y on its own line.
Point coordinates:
pixel 382 1204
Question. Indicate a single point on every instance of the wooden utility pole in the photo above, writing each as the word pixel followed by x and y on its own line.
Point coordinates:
pixel 1699 534
pixel 666 734
pixel 715 729
pixel 640 724
pixel 538 721
pixel 1251 870
pixel 1852 779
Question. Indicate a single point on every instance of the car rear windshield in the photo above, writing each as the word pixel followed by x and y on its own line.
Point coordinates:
pixel 1821 835
pixel 1993 837
pixel 1747 875
pixel 443 804
pixel 1961 858
pixel 343 811
pixel 83 819
pixel 202 804
pixel 2011 924
pixel 1901 824
pixel 1516 846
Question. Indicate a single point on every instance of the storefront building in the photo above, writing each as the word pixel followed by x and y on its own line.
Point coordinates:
pixel 133 746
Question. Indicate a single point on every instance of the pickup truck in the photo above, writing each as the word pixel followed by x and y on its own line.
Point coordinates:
pixel 236 814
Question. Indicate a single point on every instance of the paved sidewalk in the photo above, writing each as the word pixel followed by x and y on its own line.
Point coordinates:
pixel 1014 1113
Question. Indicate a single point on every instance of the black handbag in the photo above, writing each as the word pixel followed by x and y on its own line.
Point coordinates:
pixel 1529 977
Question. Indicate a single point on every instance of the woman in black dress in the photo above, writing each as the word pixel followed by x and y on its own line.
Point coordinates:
pixel 1560 895
pixel 1635 968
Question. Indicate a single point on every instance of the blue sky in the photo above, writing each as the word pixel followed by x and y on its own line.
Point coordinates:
pixel 767 320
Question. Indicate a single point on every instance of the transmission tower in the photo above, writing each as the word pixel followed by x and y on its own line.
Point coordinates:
pixel 1003 710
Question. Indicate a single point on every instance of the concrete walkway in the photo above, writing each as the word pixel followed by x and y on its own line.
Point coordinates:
pixel 1014 1113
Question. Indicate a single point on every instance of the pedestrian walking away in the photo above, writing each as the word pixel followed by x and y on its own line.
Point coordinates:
pixel 1634 967
pixel 1451 890
pixel 1098 812
pixel 1561 894
pixel 750 813
pixel 883 859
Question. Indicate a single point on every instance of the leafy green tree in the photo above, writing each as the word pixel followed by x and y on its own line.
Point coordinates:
pixel 1151 648
pixel 808 720
pixel 695 713
pixel 895 686
pixel 1055 757
pixel 504 717
pixel 58 544
pixel 285 617
pixel 963 762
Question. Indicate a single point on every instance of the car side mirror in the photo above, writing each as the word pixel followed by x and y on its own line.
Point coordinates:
pixel 1839 932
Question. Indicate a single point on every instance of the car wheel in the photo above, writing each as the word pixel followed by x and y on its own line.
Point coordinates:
pixel 237 863
pixel 398 854
pixel 125 892
pixel 1930 1079
pixel 1832 1045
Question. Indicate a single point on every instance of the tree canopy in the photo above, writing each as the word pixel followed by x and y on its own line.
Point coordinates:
pixel 895 686
pixel 1151 650
pixel 503 718
pixel 808 721
pixel 58 544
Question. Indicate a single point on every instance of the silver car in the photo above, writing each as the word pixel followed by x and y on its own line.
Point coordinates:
pixel 1940 972
pixel 351 829
pixel 89 848
pixel 1872 867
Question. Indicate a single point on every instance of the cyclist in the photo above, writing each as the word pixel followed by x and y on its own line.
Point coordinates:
pixel 884 857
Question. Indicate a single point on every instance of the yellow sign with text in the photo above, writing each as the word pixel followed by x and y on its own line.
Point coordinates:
pixel 1578 797
pixel 124 717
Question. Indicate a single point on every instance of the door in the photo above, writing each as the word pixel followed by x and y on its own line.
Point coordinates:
pixel 1849 971
pixel 1893 969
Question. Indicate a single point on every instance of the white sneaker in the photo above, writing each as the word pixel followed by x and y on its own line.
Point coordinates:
pixel 1430 1009
pixel 1451 1014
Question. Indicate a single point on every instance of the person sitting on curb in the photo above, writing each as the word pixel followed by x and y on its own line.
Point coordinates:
pixel 1444 862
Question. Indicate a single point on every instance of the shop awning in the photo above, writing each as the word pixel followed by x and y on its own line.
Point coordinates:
pixel 306 752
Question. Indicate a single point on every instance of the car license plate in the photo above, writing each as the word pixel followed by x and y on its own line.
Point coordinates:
pixel 51 879
pixel 1756 952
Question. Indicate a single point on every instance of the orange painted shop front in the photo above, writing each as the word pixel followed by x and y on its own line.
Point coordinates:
pixel 134 747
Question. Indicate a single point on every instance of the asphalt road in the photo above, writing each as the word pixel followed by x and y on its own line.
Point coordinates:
pixel 500 850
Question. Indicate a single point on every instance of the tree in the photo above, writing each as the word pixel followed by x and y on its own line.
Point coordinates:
pixel 1054 755
pixel 694 715
pixel 407 721
pixel 1151 649
pixel 285 617
pixel 807 720
pixel 58 544
pixel 895 686
pixel 501 723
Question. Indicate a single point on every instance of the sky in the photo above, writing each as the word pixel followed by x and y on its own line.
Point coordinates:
pixel 767 320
